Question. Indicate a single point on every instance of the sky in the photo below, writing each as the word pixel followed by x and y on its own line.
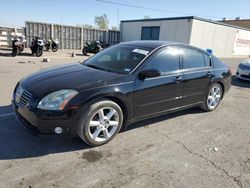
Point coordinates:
pixel 71 12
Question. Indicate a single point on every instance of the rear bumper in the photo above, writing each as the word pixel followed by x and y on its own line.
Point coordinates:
pixel 45 124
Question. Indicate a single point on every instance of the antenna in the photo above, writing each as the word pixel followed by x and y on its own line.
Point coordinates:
pixel 118 17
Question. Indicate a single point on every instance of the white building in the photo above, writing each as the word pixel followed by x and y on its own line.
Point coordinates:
pixel 225 40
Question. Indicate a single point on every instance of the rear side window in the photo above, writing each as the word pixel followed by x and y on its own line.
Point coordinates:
pixel 192 59
pixel 218 64
pixel 166 60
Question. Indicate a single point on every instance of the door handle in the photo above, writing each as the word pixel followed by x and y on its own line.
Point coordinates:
pixel 209 74
pixel 178 79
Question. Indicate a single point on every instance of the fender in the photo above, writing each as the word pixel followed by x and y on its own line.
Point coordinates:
pixel 123 99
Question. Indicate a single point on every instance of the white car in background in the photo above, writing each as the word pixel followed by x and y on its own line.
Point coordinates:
pixel 243 71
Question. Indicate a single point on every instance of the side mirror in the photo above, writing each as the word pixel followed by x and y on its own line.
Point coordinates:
pixel 148 73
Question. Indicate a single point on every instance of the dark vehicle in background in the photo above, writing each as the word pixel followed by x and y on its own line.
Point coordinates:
pixel 120 85
pixel 93 47
pixel 37 47
pixel 18 44
pixel 52 44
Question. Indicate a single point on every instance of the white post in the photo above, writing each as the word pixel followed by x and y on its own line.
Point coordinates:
pixel 81 37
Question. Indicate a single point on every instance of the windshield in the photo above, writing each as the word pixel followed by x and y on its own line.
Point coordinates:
pixel 120 59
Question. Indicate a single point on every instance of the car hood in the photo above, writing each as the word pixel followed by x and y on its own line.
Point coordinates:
pixel 246 62
pixel 72 76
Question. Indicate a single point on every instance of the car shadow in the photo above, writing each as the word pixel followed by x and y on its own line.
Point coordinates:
pixel 21 54
pixel 16 143
pixel 144 123
pixel 240 83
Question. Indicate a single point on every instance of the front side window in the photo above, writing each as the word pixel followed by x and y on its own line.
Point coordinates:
pixel 192 58
pixel 120 59
pixel 166 60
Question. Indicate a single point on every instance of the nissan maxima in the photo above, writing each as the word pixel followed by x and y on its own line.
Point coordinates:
pixel 120 85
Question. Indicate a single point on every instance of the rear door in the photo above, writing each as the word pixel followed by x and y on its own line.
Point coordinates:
pixel 197 75
pixel 162 93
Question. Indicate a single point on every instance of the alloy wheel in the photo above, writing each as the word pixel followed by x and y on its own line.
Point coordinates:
pixel 103 124
pixel 214 97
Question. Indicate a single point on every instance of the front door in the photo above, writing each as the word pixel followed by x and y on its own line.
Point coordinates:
pixel 162 93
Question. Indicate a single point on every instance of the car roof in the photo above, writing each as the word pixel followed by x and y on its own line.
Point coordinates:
pixel 153 44
pixel 148 43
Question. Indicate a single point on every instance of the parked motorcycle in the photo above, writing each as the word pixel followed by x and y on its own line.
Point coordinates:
pixel 53 44
pixel 18 44
pixel 93 47
pixel 37 47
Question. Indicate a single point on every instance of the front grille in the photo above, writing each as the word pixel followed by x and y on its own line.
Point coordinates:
pixel 245 76
pixel 22 97
pixel 25 98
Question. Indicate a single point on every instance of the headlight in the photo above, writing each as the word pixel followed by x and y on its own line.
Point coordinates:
pixel 241 66
pixel 57 100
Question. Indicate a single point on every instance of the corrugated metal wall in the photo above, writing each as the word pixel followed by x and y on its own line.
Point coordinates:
pixel 220 38
pixel 70 37
pixel 7 33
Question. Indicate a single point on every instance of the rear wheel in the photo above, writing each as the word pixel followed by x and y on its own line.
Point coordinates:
pixel 100 124
pixel 47 47
pixel 213 98
pixel 22 48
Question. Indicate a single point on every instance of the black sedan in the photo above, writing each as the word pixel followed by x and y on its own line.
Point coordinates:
pixel 122 84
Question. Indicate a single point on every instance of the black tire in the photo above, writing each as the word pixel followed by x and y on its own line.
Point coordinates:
pixel 39 52
pixel 84 51
pixel 21 49
pixel 205 106
pixel 54 48
pixel 83 128
pixel 47 47
pixel 14 52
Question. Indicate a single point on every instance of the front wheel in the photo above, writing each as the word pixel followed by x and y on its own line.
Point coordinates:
pixel 39 52
pixel 213 98
pixel 85 51
pixel 14 52
pixel 54 48
pixel 101 123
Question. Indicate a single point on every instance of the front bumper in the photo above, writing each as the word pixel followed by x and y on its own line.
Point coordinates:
pixel 243 74
pixel 44 124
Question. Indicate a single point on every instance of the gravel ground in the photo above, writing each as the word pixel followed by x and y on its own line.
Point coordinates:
pixel 190 148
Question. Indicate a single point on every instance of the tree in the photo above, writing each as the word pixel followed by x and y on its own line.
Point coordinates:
pixel 115 28
pixel 88 26
pixel 147 17
pixel 102 22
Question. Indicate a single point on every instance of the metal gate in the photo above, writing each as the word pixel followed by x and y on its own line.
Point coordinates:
pixel 70 37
